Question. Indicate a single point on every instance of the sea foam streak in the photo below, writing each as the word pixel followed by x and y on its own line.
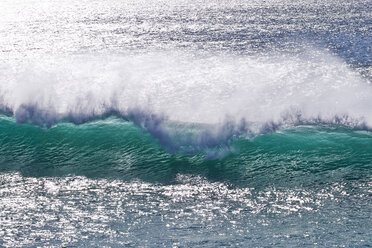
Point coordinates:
pixel 202 100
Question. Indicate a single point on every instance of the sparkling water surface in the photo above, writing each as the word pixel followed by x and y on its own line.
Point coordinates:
pixel 77 211
pixel 109 183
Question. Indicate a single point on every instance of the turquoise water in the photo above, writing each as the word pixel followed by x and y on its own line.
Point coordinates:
pixel 185 123
pixel 118 149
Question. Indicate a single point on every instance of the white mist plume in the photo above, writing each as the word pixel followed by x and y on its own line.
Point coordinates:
pixel 255 94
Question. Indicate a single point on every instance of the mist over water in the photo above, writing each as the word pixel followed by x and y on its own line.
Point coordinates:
pixel 162 92
pixel 185 123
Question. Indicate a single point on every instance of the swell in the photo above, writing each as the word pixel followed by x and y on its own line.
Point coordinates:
pixel 115 148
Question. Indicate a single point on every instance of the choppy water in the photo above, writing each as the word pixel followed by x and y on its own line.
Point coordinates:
pixel 185 123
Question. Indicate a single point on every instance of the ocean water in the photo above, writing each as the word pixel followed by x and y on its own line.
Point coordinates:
pixel 185 123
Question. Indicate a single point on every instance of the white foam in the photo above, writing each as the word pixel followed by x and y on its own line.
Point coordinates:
pixel 189 87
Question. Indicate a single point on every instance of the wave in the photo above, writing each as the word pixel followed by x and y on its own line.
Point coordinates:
pixel 115 148
pixel 189 101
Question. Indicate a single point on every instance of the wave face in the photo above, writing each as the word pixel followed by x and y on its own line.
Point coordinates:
pixel 116 148
pixel 185 123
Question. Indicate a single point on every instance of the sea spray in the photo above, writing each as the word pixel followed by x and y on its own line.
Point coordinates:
pixel 227 96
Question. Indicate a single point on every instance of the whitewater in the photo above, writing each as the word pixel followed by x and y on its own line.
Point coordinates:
pixel 185 123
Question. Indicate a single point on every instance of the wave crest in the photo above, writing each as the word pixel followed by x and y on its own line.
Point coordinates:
pixel 189 101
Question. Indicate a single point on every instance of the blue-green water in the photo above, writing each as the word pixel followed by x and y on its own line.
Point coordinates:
pixel 185 123
pixel 114 148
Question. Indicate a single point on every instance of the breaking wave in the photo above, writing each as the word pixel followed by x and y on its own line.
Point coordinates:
pixel 189 101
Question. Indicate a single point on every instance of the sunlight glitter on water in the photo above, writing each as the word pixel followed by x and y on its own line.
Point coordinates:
pixel 80 211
